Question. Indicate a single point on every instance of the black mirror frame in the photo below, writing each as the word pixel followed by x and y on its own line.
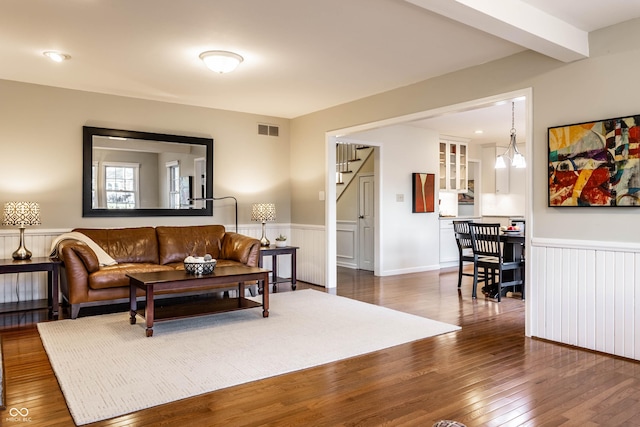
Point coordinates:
pixel 89 132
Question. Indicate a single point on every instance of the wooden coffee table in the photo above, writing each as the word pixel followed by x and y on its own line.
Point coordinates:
pixel 176 281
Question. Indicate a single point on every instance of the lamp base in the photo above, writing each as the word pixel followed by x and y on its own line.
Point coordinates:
pixel 263 240
pixel 21 253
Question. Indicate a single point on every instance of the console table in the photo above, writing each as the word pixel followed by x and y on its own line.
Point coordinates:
pixel 51 266
pixel 273 252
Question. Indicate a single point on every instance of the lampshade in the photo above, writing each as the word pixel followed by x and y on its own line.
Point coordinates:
pixel 500 164
pixel 21 213
pixel 263 212
pixel 221 61
pixel 519 161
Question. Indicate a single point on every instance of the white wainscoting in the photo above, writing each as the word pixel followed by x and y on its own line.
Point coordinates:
pixel 312 254
pixel 25 286
pixel 347 244
pixel 586 294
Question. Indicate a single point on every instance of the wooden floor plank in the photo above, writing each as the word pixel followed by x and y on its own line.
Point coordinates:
pixel 487 374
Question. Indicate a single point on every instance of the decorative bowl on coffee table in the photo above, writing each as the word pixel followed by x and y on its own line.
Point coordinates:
pixel 200 268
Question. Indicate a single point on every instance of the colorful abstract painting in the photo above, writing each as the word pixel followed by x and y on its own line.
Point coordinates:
pixel 423 192
pixel 595 164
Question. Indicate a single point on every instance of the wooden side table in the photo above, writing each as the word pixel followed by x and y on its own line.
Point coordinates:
pixel 273 252
pixel 51 266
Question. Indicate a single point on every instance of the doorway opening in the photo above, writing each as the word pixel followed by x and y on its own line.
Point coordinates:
pixel 380 190
pixel 355 205
pixel 330 206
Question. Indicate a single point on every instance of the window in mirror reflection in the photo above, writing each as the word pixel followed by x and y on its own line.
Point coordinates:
pixel 173 174
pixel 94 185
pixel 115 185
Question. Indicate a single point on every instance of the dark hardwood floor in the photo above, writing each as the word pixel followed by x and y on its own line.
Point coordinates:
pixel 487 374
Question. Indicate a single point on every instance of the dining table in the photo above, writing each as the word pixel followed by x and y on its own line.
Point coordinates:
pixel 513 245
pixel 513 250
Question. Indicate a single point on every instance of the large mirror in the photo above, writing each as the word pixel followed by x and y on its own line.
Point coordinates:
pixel 130 173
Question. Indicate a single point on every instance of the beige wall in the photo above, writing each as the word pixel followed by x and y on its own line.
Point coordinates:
pixel 308 132
pixel 40 136
pixel 600 87
pixel 41 152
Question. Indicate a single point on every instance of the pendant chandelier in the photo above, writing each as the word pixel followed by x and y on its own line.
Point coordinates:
pixel 511 153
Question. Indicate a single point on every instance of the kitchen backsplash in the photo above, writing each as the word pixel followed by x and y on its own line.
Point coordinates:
pixel 492 205
pixel 448 203
pixel 503 204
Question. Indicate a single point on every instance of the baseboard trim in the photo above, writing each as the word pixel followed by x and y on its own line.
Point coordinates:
pixel 411 270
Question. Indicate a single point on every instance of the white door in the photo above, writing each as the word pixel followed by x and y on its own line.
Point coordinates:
pixel 366 222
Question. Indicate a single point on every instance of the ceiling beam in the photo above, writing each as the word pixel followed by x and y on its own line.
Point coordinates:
pixel 517 22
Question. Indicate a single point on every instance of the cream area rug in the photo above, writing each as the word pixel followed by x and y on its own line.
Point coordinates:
pixel 107 367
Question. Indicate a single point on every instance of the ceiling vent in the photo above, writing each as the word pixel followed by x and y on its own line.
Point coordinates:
pixel 268 130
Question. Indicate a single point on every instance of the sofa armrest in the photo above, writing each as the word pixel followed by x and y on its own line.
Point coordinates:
pixel 241 248
pixel 72 251
pixel 74 280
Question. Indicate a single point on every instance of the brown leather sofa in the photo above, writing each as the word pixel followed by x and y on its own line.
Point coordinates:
pixel 83 281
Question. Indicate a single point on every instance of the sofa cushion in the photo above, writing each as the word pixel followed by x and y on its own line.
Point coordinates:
pixel 137 244
pixel 228 263
pixel 115 276
pixel 177 243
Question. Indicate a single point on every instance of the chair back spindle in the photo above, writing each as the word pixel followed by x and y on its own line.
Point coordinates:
pixel 485 240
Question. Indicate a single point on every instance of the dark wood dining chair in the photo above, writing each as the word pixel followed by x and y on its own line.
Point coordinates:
pixel 465 250
pixel 488 253
pixel 465 253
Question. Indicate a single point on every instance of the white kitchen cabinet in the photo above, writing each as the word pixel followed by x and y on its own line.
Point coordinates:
pixel 494 180
pixel 448 245
pixel 453 166
pixel 502 175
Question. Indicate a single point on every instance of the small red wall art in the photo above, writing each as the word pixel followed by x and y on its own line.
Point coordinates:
pixel 423 192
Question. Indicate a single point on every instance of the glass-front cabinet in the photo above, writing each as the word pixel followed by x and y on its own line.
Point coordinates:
pixel 453 166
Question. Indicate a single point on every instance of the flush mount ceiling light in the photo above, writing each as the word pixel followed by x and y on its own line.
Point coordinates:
pixel 56 56
pixel 221 61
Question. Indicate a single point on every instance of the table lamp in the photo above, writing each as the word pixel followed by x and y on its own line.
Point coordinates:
pixel 21 214
pixel 263 212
